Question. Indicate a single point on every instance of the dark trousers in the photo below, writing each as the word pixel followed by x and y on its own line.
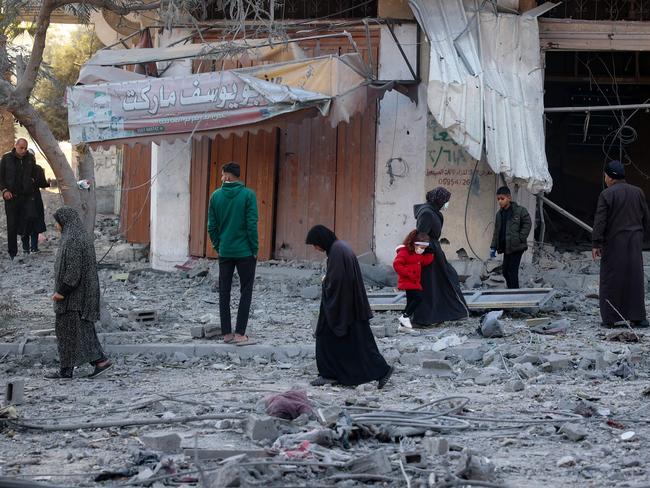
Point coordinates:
pixel 16 212
pixel 511 264
pixel 413 299
pixel 246 271
pixel 30 242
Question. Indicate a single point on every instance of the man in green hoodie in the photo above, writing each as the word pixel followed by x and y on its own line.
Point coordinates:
pixel 232 225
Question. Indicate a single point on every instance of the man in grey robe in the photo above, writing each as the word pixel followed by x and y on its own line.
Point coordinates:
pixel 621 220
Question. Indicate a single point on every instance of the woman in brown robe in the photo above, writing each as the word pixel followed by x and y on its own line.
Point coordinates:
pixel 621 220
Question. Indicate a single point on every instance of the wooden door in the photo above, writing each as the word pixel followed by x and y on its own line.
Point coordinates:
pixel 136 194
pixel 327 175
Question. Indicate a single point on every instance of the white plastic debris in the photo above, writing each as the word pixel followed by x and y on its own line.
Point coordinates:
pixel 446 342
pixel 628 436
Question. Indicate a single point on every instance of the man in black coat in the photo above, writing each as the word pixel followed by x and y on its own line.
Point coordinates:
pixel 622 219
pixel 17 186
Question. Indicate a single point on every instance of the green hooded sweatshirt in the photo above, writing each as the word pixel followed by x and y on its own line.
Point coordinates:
pixel 232 221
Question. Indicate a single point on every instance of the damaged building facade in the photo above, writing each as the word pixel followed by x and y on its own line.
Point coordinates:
pixel 486 71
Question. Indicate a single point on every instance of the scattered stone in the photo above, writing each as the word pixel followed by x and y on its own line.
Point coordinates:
pixel 469 353
pixel 208 318
pixel 514 386
pixel 557 362
pixel 435 446
pixel 628 436
pixel 311 292
pixel 328 415
pixel 180 357
pixel 447 342
pixel 566 461
pixel 537 321
pixel 528 358
pixel 491 326
pixel 573 432
pixel 624 336
pixel 211 331
pixel 164 442
pixel 199 270
pixel 624 370
pixel 377 462
pixel 438 367
pixel 526 370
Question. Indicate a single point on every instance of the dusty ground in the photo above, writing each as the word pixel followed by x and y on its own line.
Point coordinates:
pixel 521 389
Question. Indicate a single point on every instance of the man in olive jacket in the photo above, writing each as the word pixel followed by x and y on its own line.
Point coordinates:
pixel 232 225
pixel 510 236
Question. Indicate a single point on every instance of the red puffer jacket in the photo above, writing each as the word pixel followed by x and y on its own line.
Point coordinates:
pixel 408 266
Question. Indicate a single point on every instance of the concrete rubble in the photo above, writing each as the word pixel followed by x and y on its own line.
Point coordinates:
pixel 180 408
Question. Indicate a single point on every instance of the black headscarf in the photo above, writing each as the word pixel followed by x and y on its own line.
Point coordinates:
pixel 321 236
pixel 438 197
pixel 615 170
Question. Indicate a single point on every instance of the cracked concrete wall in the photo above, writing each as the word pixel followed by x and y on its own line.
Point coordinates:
pixel 170 186
pixel 401 147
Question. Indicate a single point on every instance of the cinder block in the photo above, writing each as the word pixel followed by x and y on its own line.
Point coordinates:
pixel 165 442
pixel 197 332
pixel 261 428
pixel 15 393
pixel 211 331
pixel 144 316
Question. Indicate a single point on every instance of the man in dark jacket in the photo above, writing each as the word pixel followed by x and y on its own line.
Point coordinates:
pixel 232 225
pixel 17 186
pixel 621 220
pixel 510 236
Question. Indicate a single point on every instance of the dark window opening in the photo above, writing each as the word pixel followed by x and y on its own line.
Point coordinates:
pixel 299 9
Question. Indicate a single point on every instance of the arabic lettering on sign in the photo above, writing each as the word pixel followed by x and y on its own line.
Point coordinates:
pixel 225 96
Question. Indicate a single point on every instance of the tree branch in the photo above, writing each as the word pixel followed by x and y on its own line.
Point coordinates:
pixel 119 7
pixel 26 83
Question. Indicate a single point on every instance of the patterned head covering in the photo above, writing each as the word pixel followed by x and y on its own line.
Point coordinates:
pixel 438 197
pixel 71 224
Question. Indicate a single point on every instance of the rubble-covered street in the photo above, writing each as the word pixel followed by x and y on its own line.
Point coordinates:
pixel 558 401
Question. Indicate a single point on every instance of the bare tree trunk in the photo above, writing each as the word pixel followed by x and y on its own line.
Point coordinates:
pixel 7 131
pixel 42 134
pixel 88 197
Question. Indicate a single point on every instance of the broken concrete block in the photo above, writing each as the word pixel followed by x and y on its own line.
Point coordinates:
pixel 469 353
pixel 328 415
pixel 557 362
pixel 537 321
pixel 180 357
pixel 199 270
pixel 197 332
pixel 164 442
pixel 526 370
pixel 566 461
pixel 573 432
pixel 311 292
pixel 261 428
pixel 414 458
pixel 438 367
pixel 514 386
pixel 377 462
pixel 208 318
pixel 120 277
pixel 211 331
pixel 391 328
pixel 436 446
pixel 528 358
pixel 378 331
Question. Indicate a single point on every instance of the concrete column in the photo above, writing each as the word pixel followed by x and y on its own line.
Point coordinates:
pixel 170 186
pixel 401 147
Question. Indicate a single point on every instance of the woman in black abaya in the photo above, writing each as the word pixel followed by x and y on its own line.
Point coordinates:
pixel 346 351
pixel 442 297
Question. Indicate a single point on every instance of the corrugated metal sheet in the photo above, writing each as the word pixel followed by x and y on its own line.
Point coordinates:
pixel 486 74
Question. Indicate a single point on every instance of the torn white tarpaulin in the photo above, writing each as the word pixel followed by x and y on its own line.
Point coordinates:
pixel 486 75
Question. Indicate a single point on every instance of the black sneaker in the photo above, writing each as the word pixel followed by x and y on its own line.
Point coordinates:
pixel 63 374
pixel 320 381
pixel 382 382
pixel 100 369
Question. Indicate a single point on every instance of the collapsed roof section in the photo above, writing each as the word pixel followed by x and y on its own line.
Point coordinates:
pixel 486 84
pixel 129 108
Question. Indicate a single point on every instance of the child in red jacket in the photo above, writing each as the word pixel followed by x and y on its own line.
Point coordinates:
pixel 408 266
